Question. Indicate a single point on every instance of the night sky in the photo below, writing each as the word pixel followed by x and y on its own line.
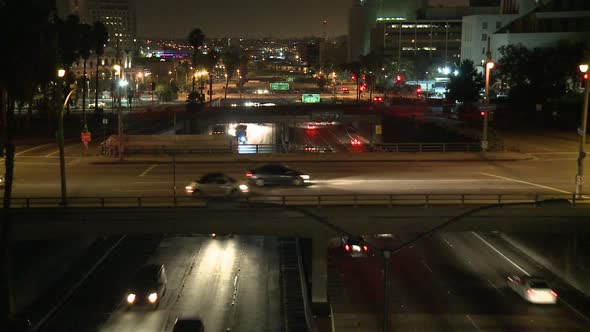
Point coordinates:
pixel 241 18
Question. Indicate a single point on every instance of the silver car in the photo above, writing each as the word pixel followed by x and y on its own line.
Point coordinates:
pixel 216 184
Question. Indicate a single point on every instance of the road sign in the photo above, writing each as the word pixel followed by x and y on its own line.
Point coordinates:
pixel 279 86
pixel 310 98
pixel 486 108
pixel 378 130
pixel 86 136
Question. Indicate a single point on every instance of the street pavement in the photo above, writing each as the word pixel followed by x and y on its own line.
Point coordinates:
pixel 232 284
pixel 449 282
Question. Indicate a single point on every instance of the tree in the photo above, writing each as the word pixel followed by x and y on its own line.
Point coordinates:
pixel 101 37
pixel 196 38
pixel 86 44
pixel 543 73
pixel 465 87
pixel 231 61
pixel 354 68
pixel 210 61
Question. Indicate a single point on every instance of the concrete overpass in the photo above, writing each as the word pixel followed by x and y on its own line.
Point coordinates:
pixel 284 217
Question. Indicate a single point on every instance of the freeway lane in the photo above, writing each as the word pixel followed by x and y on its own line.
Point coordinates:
pixel 41 178
pixel 450 282
pixel 227 282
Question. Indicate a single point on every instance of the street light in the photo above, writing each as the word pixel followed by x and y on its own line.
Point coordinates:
pixel 61 73
pixel 484 142
pixel 581 155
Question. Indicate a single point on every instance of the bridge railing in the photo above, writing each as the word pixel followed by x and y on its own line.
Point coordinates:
pixel 318 200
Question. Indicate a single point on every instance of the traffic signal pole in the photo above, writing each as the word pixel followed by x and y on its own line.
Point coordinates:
pixel 582 154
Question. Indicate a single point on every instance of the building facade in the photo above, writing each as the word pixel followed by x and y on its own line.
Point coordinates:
pixel 119 18
pixel 542 26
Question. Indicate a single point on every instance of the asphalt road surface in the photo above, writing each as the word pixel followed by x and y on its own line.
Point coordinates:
pixel 450 282
pixel 229 283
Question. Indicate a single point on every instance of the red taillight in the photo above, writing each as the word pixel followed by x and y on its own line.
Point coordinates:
pixel 249 174
pixel 531 292
pixel 553 293
pixel 365 248
pixel 347 247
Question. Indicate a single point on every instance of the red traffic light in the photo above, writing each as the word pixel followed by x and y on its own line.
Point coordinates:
pixel 482 113
pixel 399 78
pixel 585 76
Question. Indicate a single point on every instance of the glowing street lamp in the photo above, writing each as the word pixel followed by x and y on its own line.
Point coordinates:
pixel 581 154
pixel 61 73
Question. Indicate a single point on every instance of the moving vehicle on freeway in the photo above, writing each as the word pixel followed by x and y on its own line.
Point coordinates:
pixel 188 325
pixel 276 174
pixel 147 286
pixel 354 246
pixel 216 184
pixel 532 289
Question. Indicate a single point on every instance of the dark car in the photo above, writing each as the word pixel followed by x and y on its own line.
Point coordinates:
pixel 354 246
pixel 188 325
pixel 147 286
pixel 277 174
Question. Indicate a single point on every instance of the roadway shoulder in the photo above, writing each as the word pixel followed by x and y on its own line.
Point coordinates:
pixel 331 157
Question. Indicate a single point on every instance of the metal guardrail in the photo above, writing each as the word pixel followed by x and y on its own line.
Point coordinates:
pixel 427 147
pixel 353 200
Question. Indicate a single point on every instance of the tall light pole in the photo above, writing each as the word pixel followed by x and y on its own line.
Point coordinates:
pixel 484 142
pixel 581 155
pixel 122 83
pixel 60 137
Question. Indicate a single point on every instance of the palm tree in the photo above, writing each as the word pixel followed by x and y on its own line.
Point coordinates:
pixel 231 60
pixel 101 36
pixel 196 38
pixel 210 62
pixel 86 44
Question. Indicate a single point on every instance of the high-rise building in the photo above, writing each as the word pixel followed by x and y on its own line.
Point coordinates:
pixel 119 18
pixel 362 17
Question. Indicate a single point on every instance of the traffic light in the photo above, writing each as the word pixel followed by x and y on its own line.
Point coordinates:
pixel 482 113
pixel 399 78
pixel 419 91
pixel 585 76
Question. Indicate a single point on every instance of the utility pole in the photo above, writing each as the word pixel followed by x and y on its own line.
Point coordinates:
pixel 582 154
pixel 488 67
pixel 386 290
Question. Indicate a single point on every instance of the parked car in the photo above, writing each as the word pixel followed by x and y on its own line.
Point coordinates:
pixel 276 174
pixel 216 184
pixel 147 286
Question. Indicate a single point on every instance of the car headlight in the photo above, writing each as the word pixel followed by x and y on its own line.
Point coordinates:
pixel 243 188
pixel 153 298
pixel 131 298
pixel 305 177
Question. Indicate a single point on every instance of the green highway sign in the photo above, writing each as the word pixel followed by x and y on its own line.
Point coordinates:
pixel 310 98
pixel 279 86
pixel 290 79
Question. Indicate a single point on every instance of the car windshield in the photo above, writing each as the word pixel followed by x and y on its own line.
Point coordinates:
pixel 539 285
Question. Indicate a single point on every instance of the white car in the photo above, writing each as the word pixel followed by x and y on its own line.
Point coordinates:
pixel 216 184
pixel 532 289
pixel 100 104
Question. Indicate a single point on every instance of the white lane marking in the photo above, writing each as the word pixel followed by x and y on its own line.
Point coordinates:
pixel 65 148
pixel 144 173
pixel 426 266
pixel 501 254
pixel 472 322
pixel 563 152
pixel 29 150
pixel 526 182
pixel 448 243
pixel 491 283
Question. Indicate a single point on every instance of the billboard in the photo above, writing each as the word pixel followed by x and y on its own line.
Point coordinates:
pixel 279 86
pixel 310 98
